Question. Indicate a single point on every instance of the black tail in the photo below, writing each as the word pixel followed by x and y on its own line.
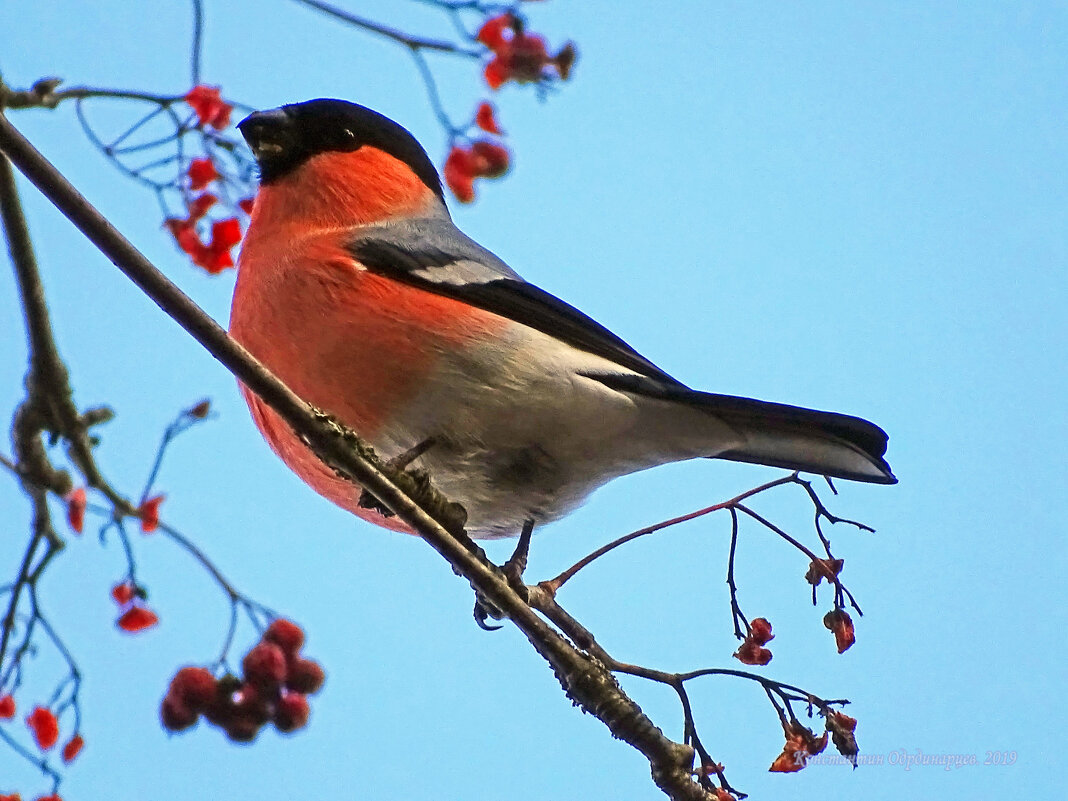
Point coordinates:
pixel 778 435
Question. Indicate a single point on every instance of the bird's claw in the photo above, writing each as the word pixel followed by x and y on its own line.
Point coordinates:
pixel 484 611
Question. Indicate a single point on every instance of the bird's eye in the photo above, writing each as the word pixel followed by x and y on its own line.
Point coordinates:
pixel 349 134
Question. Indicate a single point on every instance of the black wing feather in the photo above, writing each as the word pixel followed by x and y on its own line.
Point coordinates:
pixel 507 295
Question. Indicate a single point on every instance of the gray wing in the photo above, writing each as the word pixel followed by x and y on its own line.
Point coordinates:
pixel 434 255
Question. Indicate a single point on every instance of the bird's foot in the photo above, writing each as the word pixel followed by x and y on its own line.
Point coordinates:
pixel 398 464
pixel 513 573
pixel 417 485
pixel 517 562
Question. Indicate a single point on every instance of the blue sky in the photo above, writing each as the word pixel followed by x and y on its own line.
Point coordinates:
pixel 857 207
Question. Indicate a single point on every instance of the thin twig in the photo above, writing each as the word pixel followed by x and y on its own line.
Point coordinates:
pixel 198 38
pixel 801 547
pixel 736 610
pixel 21 580
pixel 561 579
pixel 440 45
pixel 30 99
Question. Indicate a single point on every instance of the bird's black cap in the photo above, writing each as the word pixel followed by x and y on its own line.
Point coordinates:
pixel 284 138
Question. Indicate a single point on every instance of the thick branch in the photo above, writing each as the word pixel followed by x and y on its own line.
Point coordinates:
pixel 585 680
pixel 49 405
pixel 44 358
pixel 39 411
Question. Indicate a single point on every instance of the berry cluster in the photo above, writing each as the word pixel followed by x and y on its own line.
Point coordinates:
pixel 44 726
pixel 134 615
pixel 223 233
pixel 276 681
pixel 521 56
pixel 483 159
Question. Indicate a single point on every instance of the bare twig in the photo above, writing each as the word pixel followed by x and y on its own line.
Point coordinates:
pixel 45 94
pixel 801 547
pixel 736 610
pixel 561 579
pixel 415 42
pixel 198 41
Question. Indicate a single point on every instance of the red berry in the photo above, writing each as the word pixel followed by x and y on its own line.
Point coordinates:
pixel 305 676
pixel 485 118
pixel 175 715
pixel 44 726
pixel 286 634
pixel 492 158
pixel 198 207
pixel 76 504
pixel 195 686
pixel 265 666
pixel 242 729
pixel 225 233
pixel 209 106
pixel 123 593
pixel 201 172
pixel 492 32
pixel 73 748
pixel 291 713
pixel 149 513
pixel 137 618
pixel 7 710
pixel 459 171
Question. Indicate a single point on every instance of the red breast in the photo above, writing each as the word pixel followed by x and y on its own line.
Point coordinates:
pixel 351 342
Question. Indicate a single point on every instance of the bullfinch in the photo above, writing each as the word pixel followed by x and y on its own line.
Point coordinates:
pixel 355 287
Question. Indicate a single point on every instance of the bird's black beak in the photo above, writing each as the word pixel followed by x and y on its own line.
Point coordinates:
pixel 272 135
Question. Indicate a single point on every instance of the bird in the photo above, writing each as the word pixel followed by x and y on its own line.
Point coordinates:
pixel 355 287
